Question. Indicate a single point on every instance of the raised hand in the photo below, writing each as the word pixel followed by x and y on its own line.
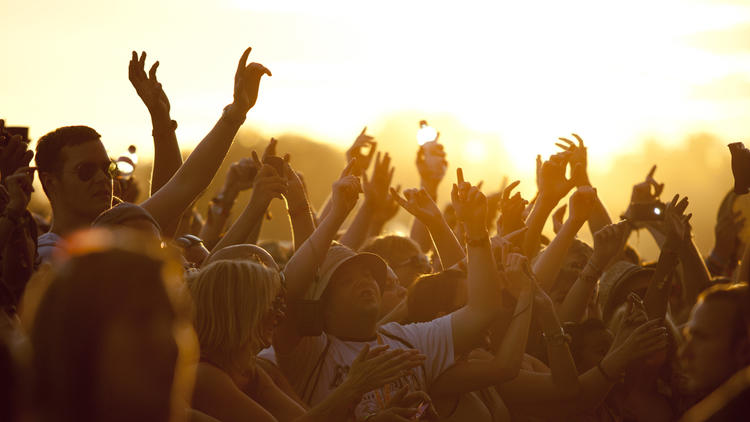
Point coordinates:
pixel 374 368
pixel 551 180
pixel 581 204
pixel 432 166
pixel 147 86
pixel 676 224
pixel 19 186
pixel 517 273
pixel 386 210
pixel 241 175
pixel 355 151
pixel 647 339
pixel 247 84
pixel 270 150
pixel 726 248
pixel 608 242
pixel 576 155
pixel 268 184
pixel 469 203
pixel 419 204
pixel 511 210
pixel 14 153
pixel 376 188
pixel 346 190
pixel 648 190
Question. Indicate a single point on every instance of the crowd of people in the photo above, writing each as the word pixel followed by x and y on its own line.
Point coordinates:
pixel 122 311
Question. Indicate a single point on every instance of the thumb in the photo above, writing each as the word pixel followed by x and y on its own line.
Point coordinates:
pixel 362 353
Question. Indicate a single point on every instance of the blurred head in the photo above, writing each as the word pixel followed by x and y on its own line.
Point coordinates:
pixel 75 171
pixel 244 252
pixel 237 306
pixel 129 216
pixel 403 255
pixel 110 323
pixel 716 338
pixel 591 342
pixel 615 285
pixel 435 295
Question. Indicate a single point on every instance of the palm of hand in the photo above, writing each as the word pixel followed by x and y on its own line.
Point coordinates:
pixel 552 181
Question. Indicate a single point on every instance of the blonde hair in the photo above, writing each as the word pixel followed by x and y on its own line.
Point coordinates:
pixel 231 299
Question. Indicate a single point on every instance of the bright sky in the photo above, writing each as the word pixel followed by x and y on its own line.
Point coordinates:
pixel 492 76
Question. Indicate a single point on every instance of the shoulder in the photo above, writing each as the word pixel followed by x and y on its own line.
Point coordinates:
pixel 418 330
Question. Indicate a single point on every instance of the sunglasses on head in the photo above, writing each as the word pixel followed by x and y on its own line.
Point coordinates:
pixel 86 170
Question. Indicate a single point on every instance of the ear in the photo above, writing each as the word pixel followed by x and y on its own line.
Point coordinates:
pixel 49 182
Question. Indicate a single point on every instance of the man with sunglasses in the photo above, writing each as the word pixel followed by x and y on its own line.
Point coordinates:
pixel 76 172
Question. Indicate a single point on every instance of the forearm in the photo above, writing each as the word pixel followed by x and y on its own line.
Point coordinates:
pixel 167 156
pixel 243 227
pixel 599 217
pixel 483 299
pixel 696 277
pixel 252 237
pixel 356 234
pixel 303 225
pixel 447 246
pixel 561 363
pixel 311 254
pixel 419 232
pixel 657 294
pixel 548 265
pixel 510 353
pixel 195 174
pixel 535 222
pixel 578 297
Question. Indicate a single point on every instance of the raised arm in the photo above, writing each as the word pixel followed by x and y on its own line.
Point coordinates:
pixel 432 168
pixel 167 157
pixel 298 207
pixel 553 186
pixel 548 265
pixel 608 242
pixel 578 155
pixel 678 231
pixel 303 265
pixel 168 203
pixel 375 192
pixel 484 369
pixel 419 204
pixel 266 186
pixel 470 322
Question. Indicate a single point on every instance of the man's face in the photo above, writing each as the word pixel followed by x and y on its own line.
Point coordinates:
pixel 707 355
pixel 353 292
pixel 83 186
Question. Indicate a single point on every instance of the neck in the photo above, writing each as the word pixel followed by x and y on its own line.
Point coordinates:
pixel 353 328
pixel 64 223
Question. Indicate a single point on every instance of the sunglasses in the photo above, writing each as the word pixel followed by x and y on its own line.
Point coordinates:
pixel 86 170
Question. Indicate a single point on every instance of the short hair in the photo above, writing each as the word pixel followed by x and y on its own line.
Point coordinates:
pixel 392 248
pixel 738 295
pixel 49 146
pixel 432 294
pixel 231 298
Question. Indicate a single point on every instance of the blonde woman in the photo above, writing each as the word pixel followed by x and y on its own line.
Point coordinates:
pixel 238 305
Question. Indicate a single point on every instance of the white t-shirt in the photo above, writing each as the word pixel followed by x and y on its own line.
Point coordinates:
pixel 314 370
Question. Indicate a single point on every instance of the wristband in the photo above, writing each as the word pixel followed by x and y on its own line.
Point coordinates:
pixel 227 114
